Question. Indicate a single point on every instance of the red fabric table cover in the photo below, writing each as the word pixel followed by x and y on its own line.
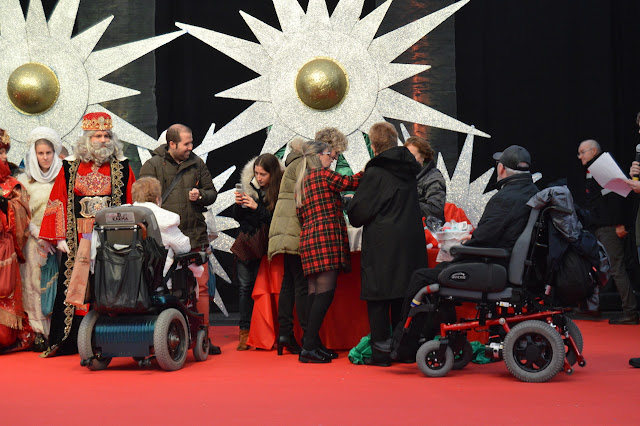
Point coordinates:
pixel 344 325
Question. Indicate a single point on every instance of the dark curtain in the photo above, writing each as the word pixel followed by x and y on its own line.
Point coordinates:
pixel 546 75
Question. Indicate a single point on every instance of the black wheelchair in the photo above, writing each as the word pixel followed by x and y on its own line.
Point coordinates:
pixel 133 313
pixel 527 327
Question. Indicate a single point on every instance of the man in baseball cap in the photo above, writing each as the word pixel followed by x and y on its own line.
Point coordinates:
pixel 515 158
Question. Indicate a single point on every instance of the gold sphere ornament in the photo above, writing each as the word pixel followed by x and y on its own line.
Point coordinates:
pixel 33 88
pixel 322 83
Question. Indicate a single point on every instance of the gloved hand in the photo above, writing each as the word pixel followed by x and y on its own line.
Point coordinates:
pixel 62 246
pixel 46 247
pixel 4 204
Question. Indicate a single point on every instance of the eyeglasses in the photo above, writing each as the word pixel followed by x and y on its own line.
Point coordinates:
pixel 333 157
pixel 581 153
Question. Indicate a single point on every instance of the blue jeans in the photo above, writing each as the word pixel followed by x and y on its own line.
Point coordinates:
pixel 247 273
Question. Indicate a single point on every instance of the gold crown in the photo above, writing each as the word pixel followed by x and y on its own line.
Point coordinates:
pixel 97 121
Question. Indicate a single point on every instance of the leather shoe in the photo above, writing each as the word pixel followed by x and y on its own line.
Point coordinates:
pixel 626 319
pixel 328 352
pixel 213 349
pixel 313 356
pixel 588 314
pixel 634 362
pixel 377 363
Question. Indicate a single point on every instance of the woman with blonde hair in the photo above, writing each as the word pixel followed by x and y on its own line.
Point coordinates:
pixel 324 244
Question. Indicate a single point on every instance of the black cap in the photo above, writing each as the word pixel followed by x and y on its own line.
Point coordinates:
pixel 513 155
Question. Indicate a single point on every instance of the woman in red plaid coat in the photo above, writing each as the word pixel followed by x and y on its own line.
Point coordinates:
pixel 324 245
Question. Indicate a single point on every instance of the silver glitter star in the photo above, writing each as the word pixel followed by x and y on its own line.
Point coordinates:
pixel 223 223
pixel 77 67
pixel 342 37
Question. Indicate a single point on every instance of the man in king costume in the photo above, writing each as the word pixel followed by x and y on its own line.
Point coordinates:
pixel 95 177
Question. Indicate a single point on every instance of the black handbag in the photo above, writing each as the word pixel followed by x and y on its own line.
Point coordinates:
pixel 121 284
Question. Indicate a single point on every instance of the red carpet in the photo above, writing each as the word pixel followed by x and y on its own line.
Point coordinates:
pixel 260 387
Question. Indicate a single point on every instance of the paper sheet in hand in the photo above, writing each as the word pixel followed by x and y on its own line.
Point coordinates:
pixel 608 174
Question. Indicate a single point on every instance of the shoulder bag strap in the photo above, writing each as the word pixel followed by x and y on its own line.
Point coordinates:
pixel 175 180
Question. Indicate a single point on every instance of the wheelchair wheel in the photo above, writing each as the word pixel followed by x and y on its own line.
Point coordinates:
pixel 429 362
pixel 85 343
pixel 201 350
pixel 574 332
pixel 534 351
pixel 170 340
pixel 462 356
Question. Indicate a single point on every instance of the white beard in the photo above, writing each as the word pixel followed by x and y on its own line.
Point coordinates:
pixel 102 155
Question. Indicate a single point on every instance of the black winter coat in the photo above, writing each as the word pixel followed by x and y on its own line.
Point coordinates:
pixel 506 213
pixel 393 244
pixel 432 191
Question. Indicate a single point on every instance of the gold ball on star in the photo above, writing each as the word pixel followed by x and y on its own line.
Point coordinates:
pixel 33 88
pixel 322 83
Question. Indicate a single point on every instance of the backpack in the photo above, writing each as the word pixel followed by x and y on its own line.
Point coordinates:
pixel 574 280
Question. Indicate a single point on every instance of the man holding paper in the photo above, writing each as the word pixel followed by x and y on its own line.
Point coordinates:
pixel 607 217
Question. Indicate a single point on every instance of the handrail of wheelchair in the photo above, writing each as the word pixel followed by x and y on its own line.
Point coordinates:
pixel 480 251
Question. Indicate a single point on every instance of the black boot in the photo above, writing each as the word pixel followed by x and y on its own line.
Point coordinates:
pixel 317 308
pixel 288 342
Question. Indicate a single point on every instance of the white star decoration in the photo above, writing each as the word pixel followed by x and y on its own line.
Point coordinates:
pixel 347 40
pixel 77 67
pixel 467 195
pixel 223 223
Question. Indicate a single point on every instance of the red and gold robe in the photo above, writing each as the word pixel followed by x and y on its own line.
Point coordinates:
pixel 14 230
pixel 78 192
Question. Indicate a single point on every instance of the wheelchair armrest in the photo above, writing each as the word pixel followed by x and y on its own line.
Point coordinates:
pixel 497 253
pixel 197 257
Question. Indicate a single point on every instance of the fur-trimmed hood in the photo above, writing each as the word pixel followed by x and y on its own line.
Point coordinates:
pixel 248 179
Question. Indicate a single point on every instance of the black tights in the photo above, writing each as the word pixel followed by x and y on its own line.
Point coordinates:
pixel 322 287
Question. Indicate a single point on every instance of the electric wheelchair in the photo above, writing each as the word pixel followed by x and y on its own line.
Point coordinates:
pixel 527 326
pixel 134 314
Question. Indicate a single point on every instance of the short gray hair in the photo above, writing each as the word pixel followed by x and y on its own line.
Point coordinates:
pixel 511 172
pixel 593 144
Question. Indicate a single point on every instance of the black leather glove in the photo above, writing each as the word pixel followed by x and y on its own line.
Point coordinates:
pixel 4 204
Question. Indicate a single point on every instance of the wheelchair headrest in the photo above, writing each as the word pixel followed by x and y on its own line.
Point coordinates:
pixel 126 216
pixel 521 249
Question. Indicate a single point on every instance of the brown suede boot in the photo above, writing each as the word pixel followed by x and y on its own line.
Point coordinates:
pixel 242 341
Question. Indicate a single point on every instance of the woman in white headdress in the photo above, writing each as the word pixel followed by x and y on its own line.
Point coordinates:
pixel 41 166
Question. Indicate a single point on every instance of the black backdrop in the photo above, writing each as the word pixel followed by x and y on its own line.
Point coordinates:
pixel 546 75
